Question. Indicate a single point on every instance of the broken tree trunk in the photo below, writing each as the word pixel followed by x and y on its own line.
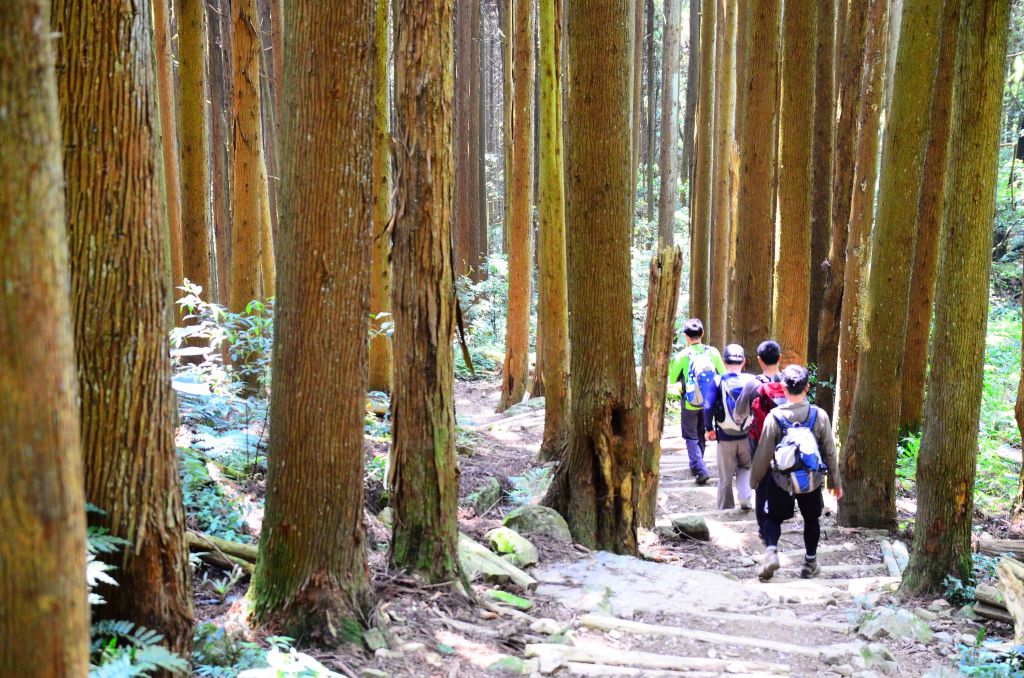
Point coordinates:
pixel 1001 547
pixel 1011 582
pixel 662 299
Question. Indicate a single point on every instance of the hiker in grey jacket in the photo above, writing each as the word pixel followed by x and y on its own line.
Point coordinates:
pixel 780 500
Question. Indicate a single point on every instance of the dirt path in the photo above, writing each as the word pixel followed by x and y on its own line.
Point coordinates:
pixel 686 608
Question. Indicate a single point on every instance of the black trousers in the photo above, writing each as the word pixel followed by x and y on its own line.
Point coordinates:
pixel 779 507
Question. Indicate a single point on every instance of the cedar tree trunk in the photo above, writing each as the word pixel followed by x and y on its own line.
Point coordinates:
pixel 669 116
pixel 169 134
pixel 723 189
pixel 700 189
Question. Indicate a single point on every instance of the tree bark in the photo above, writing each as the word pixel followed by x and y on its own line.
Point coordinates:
pixel 597 487
pixel 796 193
pixel 44 618
pixel 220 148
pixel 692 82
pixel 946 465
pixel 929 218
pixel 169 134
pixel 723 189
pixel 659 328
pixel 869 454
pixel 1017 510
pixel 467 135
pixel 506 104
pixel 111 129
pixel 652 111
pixel 380 245
pixel 667 196
pixel 848 84
pixel 194 142
pixel 755 217
pixel 636 102
pixel 519 196
pixel 250 208
pixel 821 162
pixel 311 578
pixel 554 349
pixel 700 189
pixel 424 473
pixel 852 331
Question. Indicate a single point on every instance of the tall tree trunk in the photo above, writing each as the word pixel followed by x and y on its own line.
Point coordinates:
pixel 478 249
pixel 194 142
pixel 848 83
pixel 220 98
pixel 692 83
pixel 796 195
pixel 869 452
pixel 659 331
pixel 858 234
pixel 667 196
pixel 381 233
pixel 169 137
pixel 110 120
pixel 1017 510
pixel 652 114
pixel 723 190
pixel 506 105
pixel 755 217
pixel 311 578
pixel 424 473
pixel 554 350
pixel 519 196
pixel 636 102
pixel 597 487
pixel 44 618
pixel 467 134
pixel 929 218
pixel 250 208
pixel 700 188
pixel 821 162
pixel 946 465
pixel 268 114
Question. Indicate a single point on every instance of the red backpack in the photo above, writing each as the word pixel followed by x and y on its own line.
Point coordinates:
pixel 767 398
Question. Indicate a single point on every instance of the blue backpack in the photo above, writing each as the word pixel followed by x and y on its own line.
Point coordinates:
pixel 799 468
pixel 699 374
pixel 729 389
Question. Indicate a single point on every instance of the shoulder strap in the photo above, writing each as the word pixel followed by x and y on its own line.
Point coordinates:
pixel 812 417
pixel 784 423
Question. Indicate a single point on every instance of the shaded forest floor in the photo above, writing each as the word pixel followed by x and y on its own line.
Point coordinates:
pixel 700 608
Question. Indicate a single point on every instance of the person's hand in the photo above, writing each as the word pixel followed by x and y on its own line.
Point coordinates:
pixel 837 492
pixel 710 435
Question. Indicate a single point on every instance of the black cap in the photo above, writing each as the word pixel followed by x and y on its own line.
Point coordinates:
pixel 733 354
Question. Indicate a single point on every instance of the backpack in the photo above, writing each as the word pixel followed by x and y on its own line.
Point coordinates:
pixel 700 373
pixel 729 388
pixel 768 396
pixel 798 466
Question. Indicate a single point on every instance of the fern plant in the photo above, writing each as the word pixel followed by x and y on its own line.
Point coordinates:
pixel 120 649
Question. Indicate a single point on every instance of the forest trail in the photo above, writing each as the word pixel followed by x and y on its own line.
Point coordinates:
pixel 686 608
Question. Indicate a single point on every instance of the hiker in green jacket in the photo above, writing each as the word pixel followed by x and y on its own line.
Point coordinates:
pixel 695 368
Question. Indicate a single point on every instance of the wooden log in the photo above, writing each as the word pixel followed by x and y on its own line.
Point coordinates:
pixel 1011 582
pixel 992 612
pixel 197 541
pixel 471 550
pixel 648 660
pixel 602 623
pixel 1001 547
pixel 774 621
pixel 227 562
pixel 889 558
pixel 901 553
pixel 989 595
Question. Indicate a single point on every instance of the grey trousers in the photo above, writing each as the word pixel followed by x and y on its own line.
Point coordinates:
pixel 733 458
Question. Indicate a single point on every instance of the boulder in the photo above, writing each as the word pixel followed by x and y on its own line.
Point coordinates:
pixel 486 496
pixel 692 526
pixel 534 519
pixel 895 623
pixel 510 543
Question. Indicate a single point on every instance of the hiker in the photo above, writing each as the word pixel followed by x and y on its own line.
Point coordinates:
pixel 695 367
pixel 721 423
pixel 759 397
pixel 798 453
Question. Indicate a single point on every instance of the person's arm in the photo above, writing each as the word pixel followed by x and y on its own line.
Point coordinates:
pixel 677 367
pixel 765 451
pixel 710 396
pixel 716 360
pixel 746 399
pixel 827 447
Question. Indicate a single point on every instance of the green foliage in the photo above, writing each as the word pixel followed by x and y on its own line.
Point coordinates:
pixel 218 653
pixel 205 499
pixel 530 486
pixel 959 592
pixel 986 663
pixel 484 318
pixel 198 347
pixel 906 461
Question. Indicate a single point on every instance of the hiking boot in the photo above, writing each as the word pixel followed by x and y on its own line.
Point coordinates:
pixel 703 478
pixel 810 569
pixel 745 506
pixel 769 565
